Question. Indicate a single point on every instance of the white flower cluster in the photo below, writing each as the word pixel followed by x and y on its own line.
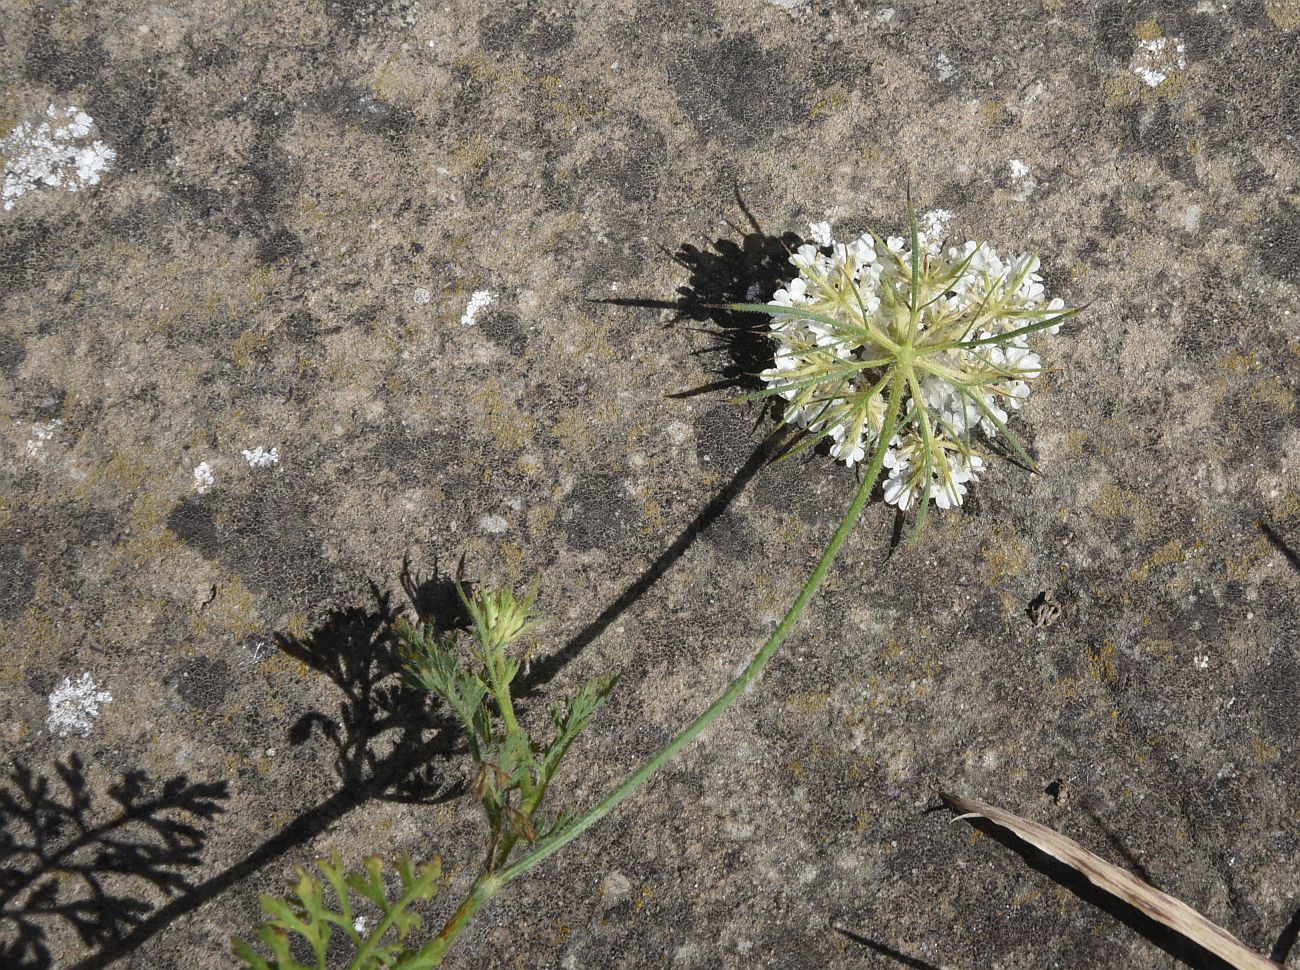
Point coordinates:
pixel 54 153
pixel 955 346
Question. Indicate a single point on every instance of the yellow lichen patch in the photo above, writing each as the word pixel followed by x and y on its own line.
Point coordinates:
pixel 124 472
pixel 576 102
pixel 232 610
pixel 296 627
pixel 992 114
pixel 150 539
pixel 576 427
pixel 1237 567
pixel 245 345
pixel 509 427
pixel 33 635
pixel 831 100
pixel 1149 30
pixel 643 897
pixel 653 516
pixel 1273 393
pixel 1264 752
pixel 1171 552
pixel 399 80
pixel 1004 555
pixel 1285 14
pixel 1113 502
pixel 810 702
pixel 1074 441
pixel 1157 648
pixel 1121 89
pixel 1101 663
pixel 1238 362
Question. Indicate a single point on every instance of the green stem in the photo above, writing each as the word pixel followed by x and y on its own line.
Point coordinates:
pixel 737 686
pixel 488 884
pixel 484 888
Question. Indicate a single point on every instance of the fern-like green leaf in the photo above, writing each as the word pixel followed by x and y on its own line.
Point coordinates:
pixel 307 915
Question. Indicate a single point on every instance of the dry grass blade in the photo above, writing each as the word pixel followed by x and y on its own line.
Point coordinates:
pixel 1162 908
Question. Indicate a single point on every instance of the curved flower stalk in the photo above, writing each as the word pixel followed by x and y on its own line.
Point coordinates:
pixel 897 351
pixel 946 327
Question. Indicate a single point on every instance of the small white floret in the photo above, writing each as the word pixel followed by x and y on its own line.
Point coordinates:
pixel 41 434
pixel 820 233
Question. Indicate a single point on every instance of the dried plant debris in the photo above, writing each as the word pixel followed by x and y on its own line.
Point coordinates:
pixel 1162 908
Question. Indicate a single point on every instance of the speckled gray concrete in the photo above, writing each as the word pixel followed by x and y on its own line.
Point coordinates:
pixel 286 177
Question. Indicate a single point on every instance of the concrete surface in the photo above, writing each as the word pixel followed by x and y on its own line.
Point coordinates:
pixel 266 234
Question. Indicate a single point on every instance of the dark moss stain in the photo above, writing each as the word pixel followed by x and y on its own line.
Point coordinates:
pixel 635 161
pixel 49 543
pixel 1279 249
pixel 732 534
pixel 1157 131
pixel 201 682
pixel 725 437
pixel 505 330
pixel 12 352
pixel 61 64
pixel 1114 25
pixel 195 523
pixel 735 89
pixel 598 513
pixel 354 16
pixel 357 108
pixel 271 538
pixel 534 28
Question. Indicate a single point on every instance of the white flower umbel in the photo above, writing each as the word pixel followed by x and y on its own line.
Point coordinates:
pixel 907 351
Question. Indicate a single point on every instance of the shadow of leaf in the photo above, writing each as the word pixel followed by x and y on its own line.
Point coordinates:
pixel 69 861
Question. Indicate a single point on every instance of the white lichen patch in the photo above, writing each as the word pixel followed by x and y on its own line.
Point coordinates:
pixel 494 525
pixel 1155 60
pixel 74 707
pixel 203 477
pixel 41 434
pixel 944 67
pixel 1022 179
pixel 477 301
pixel 56 152
pixel 421 296
pixel 260 457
